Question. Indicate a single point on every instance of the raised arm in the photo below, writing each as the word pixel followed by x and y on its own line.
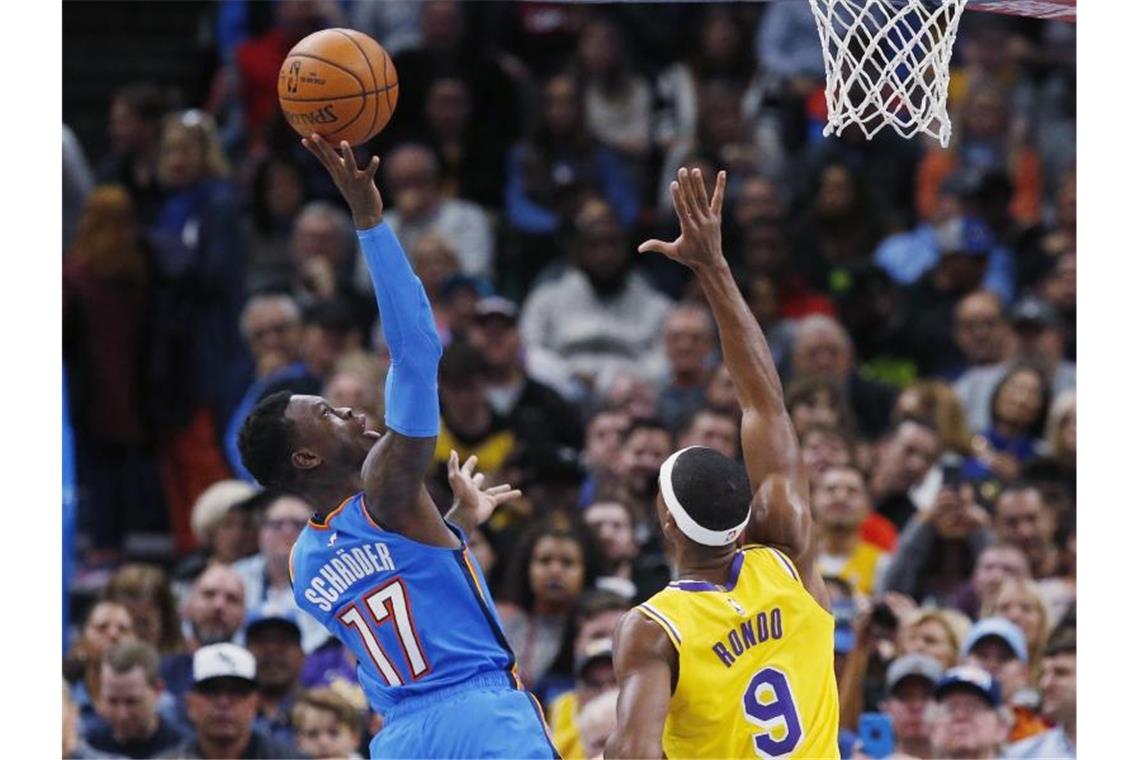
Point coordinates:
pixel 781 513
pixel 394 470
pixel 645 661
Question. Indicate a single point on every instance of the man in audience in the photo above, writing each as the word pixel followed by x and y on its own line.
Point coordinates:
pixel 998 647
pixel 1021 518
pixel 905 458
pixel 714 428
pixel 995 564
pixel 223 705
pixel 275 643
pixel 968 720
pixel 129 689
pixel 910 701
pixel 326 724
pixel 840 504
pixel 1058 700
pixel 690 346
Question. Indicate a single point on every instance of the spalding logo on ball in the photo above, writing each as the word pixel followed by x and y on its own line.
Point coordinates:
pixel 340 84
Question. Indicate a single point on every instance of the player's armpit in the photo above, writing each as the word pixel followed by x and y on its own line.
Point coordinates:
pixel 394 492
pixel 646 663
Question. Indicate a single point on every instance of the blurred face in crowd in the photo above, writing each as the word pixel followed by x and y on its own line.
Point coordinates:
pixel 1059 688
pixel 719 432
pixel 561 110
pixel 1037 342
pixel 234 537
pixel 321 734
pixel 758 200
pixel 1067 436
pixel 465 404
pixel 719 116
pixel 980 331
pixel 216 606
pixel 600 625
pixel 108 624
pixel 146 618
pixel 448 107
pixel 284 520
pixel 182 156
pixel 482 550
pixel 985 114
pixel 1019 400
pixel 1020 519
pixel 836 196
pixel 930 637
pixel 641 458
pixel 994 655
pixel 599 51
pixel 497 338
pixel 840 499
pixel 910 708
pixel 285 191
pixel 279 658
pixel 413 179
pixel 354 391
pixel 600 247
pixel 611 523
pixel 1060 287
pixel 222 710
pixel 820 408
pixel 967 726
pixel 908 456
pixel 441 23
pixel 822 449
pixel 689 342
pixel 273 329
pixel 322 347
pixel 434 262
pixel 129 131
pixel 822 348
pixel 1015 602
pixel 720 393
pixel 603 439
pixel 763 300
pixel 635 396
pixel 317 234
pixel 995 565
pixel 557 571
pixel 765 250
pixel 720 38
pixel 127 701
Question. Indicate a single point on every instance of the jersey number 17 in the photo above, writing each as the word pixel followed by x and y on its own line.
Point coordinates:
pixel 388 603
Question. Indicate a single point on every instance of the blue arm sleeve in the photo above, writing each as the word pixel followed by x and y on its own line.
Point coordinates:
pixel 411 396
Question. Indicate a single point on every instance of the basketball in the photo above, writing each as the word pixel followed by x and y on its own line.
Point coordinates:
pixel 340 84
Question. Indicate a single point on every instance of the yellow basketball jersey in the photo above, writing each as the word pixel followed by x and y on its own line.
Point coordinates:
pixel 757 673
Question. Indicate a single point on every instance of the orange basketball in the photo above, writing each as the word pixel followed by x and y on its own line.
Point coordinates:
pixel 340 84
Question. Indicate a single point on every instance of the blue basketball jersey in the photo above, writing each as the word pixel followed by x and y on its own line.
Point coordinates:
pixel 419 618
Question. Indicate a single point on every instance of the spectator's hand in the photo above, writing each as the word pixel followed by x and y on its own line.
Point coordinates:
pixel 699 243
pixel 356 185
pixel 470 495
pixel 1005 466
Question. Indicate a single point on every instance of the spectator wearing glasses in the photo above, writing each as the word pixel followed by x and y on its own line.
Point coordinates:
pixel 265 575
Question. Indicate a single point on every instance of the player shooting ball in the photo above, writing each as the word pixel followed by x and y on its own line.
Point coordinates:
pixel 734 658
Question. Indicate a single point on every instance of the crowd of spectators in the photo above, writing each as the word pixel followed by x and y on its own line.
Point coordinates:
pixel 919 302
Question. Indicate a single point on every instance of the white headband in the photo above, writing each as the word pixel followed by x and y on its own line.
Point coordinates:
pixel 687 524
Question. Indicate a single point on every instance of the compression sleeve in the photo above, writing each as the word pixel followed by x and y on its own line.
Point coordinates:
pixel 411 396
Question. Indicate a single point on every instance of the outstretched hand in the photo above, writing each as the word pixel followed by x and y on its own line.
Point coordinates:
pixel 699 243
pixel 467 487
pixel 356 185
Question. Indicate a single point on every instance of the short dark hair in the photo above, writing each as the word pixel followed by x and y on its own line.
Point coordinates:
pixel 1037 426
pixel 597 601
pixel 691 419
pixel 461 363
pixel 334 315
pixel 713 489
pixel 147 101
pixel 125 657
pixel 645 423
pixel 1063 640
pixel 266 442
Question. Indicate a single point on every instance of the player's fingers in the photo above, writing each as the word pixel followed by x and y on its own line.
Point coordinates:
pixel 654 246
pixel 478 479
pixel 508 496
pixel 701 193
pixel 348 156
pixel 327 154
pixel 692 195
pixel 496 490
pixel 453 464
pixel 684 216
pixel 469 465
pixel 681 197
pixel 718 192
pixel 373 165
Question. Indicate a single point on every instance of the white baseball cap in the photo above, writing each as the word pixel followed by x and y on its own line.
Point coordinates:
pixel 224 661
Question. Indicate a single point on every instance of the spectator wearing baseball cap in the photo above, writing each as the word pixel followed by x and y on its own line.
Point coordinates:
pixel 1058 700
pixel 548 428
pixel 969 721
pixel 223 704
pixel 275 642
pixel 998 646
pixel 911 680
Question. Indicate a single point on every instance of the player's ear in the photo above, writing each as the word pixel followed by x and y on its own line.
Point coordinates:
pixel 304 459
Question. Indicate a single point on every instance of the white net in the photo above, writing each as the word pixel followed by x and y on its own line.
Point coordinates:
pixel 888 63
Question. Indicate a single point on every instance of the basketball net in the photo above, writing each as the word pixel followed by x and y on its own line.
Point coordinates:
pixel 888 63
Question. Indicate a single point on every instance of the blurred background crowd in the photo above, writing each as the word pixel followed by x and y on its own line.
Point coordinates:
pixel 920 303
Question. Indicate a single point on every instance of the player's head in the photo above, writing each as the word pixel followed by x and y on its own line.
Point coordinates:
pixel 704 499
pixel 289 440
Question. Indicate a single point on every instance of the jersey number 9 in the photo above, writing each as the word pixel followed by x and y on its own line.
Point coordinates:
pixel 768 703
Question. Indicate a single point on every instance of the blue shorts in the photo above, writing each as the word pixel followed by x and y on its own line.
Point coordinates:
pixel 478 720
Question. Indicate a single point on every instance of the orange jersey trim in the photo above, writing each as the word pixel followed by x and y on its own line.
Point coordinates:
pixel 328 518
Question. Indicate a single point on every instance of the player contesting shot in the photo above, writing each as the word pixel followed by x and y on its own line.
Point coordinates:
pixel 377 564
pixel 734 658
